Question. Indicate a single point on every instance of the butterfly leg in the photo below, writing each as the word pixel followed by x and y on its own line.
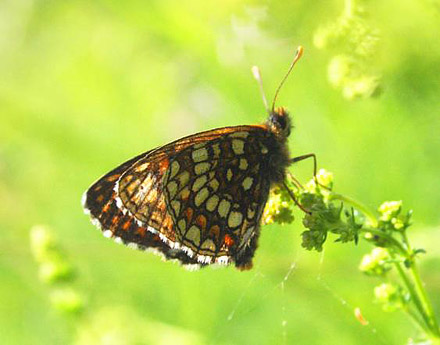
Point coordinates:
pixel 303 157
pixel 315 166
pixel 295 200
pixel 295 181
pixel 315 169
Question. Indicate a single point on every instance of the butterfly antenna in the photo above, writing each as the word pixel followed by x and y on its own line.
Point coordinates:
pixel 298 54
pixel 257 76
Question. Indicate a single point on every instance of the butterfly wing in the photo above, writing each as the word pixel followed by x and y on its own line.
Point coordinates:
pixel 198 200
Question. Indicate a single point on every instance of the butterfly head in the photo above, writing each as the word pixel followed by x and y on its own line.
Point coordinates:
pixel 279 122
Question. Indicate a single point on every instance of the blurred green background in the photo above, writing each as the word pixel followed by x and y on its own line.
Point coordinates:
pixel 85 85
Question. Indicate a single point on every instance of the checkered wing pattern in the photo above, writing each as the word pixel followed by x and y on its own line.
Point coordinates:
pixel 198 200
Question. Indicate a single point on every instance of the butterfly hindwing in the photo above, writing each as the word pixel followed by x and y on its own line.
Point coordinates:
pixel 101 203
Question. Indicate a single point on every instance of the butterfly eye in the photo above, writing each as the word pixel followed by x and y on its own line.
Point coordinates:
pixel 281 120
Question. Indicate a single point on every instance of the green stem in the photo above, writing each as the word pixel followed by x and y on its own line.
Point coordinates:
pixel 387 237
pixel 418 322
pixel 414 296
pixel 425 301
pixel 358 205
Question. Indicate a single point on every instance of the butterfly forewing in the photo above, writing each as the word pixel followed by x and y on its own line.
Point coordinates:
pixel 198 199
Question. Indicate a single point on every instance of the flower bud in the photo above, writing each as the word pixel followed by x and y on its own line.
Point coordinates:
pixel 66 300
pixel 390 296
pixel 389 209
pixel 375 263
pixel 42 243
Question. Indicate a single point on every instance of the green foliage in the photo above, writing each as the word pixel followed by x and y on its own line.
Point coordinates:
pixel 278 208
pixel 107 326
pixel 355 42
pixel 391 297
pixel 117 325
pixel 377 263
pixel 326 213
pixel 55 271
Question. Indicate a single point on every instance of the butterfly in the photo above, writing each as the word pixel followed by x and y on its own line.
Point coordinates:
pixel 198 200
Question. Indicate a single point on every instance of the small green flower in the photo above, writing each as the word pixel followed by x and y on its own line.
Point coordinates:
pixel 376 263
pixel 391 297
pixel 389 210
pixel 53 267
pixel 391 217
pixel 398 223
pixel 66 300
pixel 325 182
pixel 325 178
pixel 42 243
pixel 361 86
pixel 278 208
pixel 354 42
pixel 55 271
pixel 339 69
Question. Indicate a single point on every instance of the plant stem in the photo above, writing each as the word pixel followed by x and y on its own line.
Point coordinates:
pixel 416 319
pixel 358 205
pixel 425 301
pixel 402 251
pixel 414 296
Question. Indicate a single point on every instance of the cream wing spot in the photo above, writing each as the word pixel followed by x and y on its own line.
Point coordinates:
pixel 172 189
pixel 216 150
pixel 193 235
pixel 223 208
pixel 201 196
pixel 214 184
pixel 243 165
pixel 238 146
pixel 184 194
pixel 181 224
pixel 250 213
pixel 229 175
pixel 142 167
pixel 175 205
pixel 183 178
pixel 200 154
pixel 235 218
pixel 212 203
pixel 199 183
pixel 201 168
pixel 208 245
pixel 152 195
pixel 247 183
pixel 175 166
